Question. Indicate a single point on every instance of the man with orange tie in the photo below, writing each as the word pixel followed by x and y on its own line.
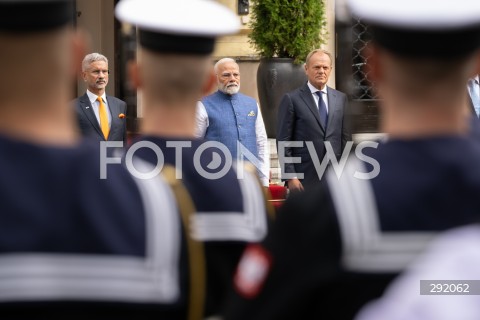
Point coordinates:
pixel 99 116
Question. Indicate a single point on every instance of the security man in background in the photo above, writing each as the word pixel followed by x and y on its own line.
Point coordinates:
pixel 337 247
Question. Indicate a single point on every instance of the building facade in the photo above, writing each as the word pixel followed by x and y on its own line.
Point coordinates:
pixel 98 20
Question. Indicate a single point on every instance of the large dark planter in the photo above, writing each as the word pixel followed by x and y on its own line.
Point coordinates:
pixel 275 77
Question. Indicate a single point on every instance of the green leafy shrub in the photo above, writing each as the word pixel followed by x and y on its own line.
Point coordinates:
pixel 287 28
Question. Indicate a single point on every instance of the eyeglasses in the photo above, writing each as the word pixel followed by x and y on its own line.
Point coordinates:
pixel 229 75
pixel 97 72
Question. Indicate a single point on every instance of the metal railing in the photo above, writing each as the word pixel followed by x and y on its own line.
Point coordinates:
pixel 363 89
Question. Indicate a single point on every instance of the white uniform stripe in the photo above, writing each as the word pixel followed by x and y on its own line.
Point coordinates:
pixel 90 277
pixel 368 225
pixel 250 225
pixel 365 247
pixel 345 205
pixel 163 232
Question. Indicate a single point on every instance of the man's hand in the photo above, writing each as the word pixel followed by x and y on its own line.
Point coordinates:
pixel 294 185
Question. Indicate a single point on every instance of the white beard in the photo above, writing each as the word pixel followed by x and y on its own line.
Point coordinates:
pixel 230 90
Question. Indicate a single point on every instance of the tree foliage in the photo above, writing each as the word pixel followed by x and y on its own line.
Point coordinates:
pixel 287 28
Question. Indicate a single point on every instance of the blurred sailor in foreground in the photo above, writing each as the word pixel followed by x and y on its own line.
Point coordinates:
pixel 173 71
pixel 341 244
pixel 450 270
pixel 72 244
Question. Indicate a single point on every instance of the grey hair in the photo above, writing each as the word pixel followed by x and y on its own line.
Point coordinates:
pixel 92 57
pixel 307 60
pixel 222 61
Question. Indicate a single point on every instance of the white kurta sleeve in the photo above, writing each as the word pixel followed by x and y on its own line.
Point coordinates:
pixel 201 118
pixel 263 150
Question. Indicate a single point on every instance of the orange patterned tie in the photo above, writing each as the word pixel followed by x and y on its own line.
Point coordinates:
pixel 102 110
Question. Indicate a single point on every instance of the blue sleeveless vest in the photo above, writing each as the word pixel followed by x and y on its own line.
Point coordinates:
pixel 232 118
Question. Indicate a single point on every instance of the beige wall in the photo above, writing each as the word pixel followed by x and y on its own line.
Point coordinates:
pixel 330 45
pixel 235 45
pixel 97 19
pixel 248 86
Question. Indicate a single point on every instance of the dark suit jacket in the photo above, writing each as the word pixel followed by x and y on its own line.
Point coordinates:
pixel 298 120
pixel 89 125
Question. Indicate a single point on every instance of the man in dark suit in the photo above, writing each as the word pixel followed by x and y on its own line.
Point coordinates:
pixel 103 120
pixel 301 118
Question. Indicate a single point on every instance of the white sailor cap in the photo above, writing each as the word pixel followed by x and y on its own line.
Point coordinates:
pixel 34 15
pixel 422 28
pixel 185 26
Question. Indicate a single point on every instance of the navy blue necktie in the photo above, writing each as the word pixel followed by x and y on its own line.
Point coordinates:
pixel 322 109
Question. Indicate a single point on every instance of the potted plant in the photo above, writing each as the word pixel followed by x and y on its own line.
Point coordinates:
pixel 283 32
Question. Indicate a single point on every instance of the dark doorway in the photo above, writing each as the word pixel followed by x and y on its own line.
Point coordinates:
pixel 125 45
pixel 352 37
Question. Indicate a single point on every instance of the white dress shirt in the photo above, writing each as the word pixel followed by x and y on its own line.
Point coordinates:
pixel 262 141
pixel 96 104
pixel 314 90
pixel 475 94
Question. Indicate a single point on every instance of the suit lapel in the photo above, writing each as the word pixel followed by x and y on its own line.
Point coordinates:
pixel 114 112
pixel 306 95
pixel 332 107
pixel 87 108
